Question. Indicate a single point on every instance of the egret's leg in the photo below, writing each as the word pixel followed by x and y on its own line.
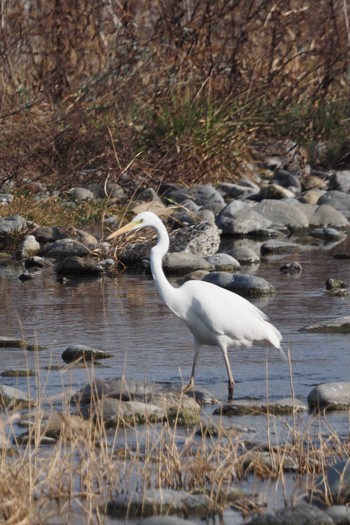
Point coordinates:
pixel 190 385
pixel 231 382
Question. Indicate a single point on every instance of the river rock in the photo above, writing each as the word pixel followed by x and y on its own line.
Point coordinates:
pixel 207 196
pixel 165 520
pixel 12 397
pixel 324 215
pixel 339 325
pixel 299 515
pixel 242 222
pixel 115 412
pixel 65 248
pixel 340 514
pixel 12 342
pixel 36 262
pixel 46 234
pixel 158 501
pixel 181 263
pixel 12 225
pixel 6 198
pixel 335 484
pixel 266 462
pixel 56 424
pixel 275 191
pixel 330 396
pixel 340 180
pixel 223 262
pixel 328 234
pixel 178 407
pixel 230 190
pixel 292 268
pixel 287 180
pixel 339 200
pixel 29 246
pixel 81 194
pixel 243 284
pixel 84 352
pixel 79 266
pixel 275 247
pixel 254 407
pixel 282 214
pixel 244 255
pixel 200 239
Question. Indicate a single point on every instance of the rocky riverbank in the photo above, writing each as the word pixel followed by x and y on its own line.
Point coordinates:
pixel 287 214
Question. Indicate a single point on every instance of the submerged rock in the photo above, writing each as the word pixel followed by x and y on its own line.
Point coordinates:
pixel 292 268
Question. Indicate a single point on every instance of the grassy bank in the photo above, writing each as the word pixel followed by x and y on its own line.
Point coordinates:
pixel 179 91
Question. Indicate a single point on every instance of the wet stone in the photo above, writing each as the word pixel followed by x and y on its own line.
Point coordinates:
pixel 244 255
pixel 330 396
pixel 293 267
pixel 65 248
pixel 79 266
pixel 12 342
pixel 83 352
pixel 299 515
pixel 340 325
pixel 253 407
pixel 12 397
pixel 243 284
pixel 273 247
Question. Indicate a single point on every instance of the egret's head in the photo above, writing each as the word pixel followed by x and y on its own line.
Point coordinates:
pixel 141 220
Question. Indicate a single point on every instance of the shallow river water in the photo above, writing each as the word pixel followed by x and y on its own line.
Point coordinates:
pixel 125 317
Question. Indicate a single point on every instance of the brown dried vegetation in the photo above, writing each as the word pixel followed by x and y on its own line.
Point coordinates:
pixel 183 89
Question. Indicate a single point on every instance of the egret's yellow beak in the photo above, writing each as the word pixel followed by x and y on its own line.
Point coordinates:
pixel 128 227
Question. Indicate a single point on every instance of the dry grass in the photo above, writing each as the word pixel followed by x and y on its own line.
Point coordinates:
pixel 185 89
pixel 81 466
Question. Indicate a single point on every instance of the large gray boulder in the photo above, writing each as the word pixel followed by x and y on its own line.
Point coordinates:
pixel 340 180
pixel 324 215
pixel 339 200
pixel 241 222
pixel 330 396
pixel 282 214
pixel 243 284
pixel 65 248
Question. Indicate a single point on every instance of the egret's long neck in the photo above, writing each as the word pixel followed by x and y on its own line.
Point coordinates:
pixel 164 288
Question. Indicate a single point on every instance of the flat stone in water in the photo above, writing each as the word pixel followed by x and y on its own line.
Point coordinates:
pixel 279 247
pixel 12 397
pixel 340 325
pixel 165 520
pixel 251 407
pixel 74 265
pixel 299 515
pixel 12 342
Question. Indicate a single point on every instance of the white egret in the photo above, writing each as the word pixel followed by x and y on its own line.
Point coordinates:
pixel 215 316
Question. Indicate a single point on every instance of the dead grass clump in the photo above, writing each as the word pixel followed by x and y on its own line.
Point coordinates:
pixel 186 89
